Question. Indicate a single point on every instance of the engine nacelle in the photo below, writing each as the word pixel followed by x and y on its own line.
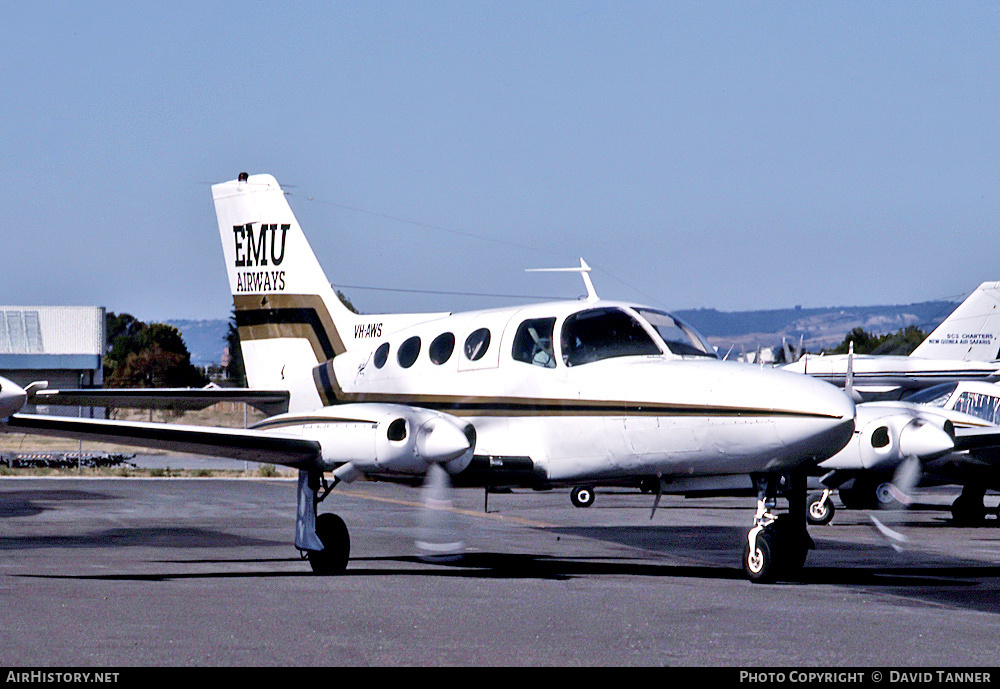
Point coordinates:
pixel 886 434
pixel 383 439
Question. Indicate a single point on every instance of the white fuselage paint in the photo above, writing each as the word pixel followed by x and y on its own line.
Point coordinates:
pixel 618 417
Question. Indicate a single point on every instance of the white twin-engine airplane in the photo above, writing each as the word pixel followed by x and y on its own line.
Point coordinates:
pixel 966 346
pixel 552 394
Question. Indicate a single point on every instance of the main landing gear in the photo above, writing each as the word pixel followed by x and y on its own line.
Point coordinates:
pixel 969 509
pixel 323 539
pixel 777 545
pixel 332 531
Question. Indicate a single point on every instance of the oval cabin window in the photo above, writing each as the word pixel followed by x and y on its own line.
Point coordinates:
pixel 408 352
pixel 476 344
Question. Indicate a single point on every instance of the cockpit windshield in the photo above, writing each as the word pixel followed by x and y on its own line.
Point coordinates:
pixel 604 333
pixel 680 337
pixel 934 396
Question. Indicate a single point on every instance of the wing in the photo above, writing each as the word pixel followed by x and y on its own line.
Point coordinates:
pixel 977 438
pixel 270 402
pixel 255 446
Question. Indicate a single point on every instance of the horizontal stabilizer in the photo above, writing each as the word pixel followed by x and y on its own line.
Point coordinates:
pixel 877 389
pixel 245 445
pixel 271 402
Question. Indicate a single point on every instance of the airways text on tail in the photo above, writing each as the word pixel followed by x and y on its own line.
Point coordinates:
pixel 963 348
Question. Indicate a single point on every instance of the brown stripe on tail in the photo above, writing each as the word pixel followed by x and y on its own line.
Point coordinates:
pixel 270 316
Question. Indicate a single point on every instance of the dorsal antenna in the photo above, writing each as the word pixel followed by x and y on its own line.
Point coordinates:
pixel 583 270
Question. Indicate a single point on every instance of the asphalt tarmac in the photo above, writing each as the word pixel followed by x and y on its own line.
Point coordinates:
pixel 201 572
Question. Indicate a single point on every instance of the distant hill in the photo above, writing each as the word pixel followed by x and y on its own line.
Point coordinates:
pixel 205 340
pixel 820 327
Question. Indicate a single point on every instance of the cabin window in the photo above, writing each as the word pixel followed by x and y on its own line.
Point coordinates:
pixel 935 396
pixel 441 348
pixel 408 352
pixel 980 405
pixel 533 342
pixel 476 344
pixel 680 338
pixel 603 334
pixel 381 355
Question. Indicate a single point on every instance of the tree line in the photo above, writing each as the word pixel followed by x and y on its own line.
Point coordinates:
pixel 147 355
pixel 902 342
pixel 153 355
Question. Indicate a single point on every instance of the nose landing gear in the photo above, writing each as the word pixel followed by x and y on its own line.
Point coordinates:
pixel 777 546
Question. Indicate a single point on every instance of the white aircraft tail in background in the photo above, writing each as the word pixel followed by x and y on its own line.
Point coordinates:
pixel 971 332
pixel 964 347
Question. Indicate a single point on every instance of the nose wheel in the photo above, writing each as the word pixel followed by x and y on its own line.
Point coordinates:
pixel 820 509
pixel 582 496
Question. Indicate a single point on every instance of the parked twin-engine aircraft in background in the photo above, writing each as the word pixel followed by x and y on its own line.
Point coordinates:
pixel 968 411
pixel 538 396
pixel 966 346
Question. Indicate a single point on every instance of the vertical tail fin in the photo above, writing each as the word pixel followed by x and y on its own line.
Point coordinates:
pixel 290 320
pixel 971 332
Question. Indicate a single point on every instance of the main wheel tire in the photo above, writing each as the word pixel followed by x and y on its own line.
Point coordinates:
pixel 967 510
pixel 859 497
pixel 819 511
pixel 790 545
pixel 332 531
pixel 582 496
pixel 760 565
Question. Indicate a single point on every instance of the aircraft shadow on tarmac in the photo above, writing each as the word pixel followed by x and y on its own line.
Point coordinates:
pixel 970 587
pixel 29 503
pixel 126 537
pixel 940 581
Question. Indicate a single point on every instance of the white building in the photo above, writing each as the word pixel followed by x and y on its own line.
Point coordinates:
pixel 63 345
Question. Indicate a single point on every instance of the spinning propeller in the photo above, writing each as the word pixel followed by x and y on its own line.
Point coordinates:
pixel 448 449
pixel 919 441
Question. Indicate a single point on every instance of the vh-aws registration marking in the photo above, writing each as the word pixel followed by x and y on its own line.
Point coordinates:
pixel 367 330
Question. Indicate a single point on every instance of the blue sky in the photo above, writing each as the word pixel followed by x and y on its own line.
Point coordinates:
pixel 735 155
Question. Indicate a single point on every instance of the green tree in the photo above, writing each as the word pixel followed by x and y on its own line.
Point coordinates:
pixel 141 355
pixel 235 369
pixel 902 342
pixel 346 302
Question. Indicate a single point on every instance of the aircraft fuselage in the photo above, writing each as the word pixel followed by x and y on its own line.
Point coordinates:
pixel 563 416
